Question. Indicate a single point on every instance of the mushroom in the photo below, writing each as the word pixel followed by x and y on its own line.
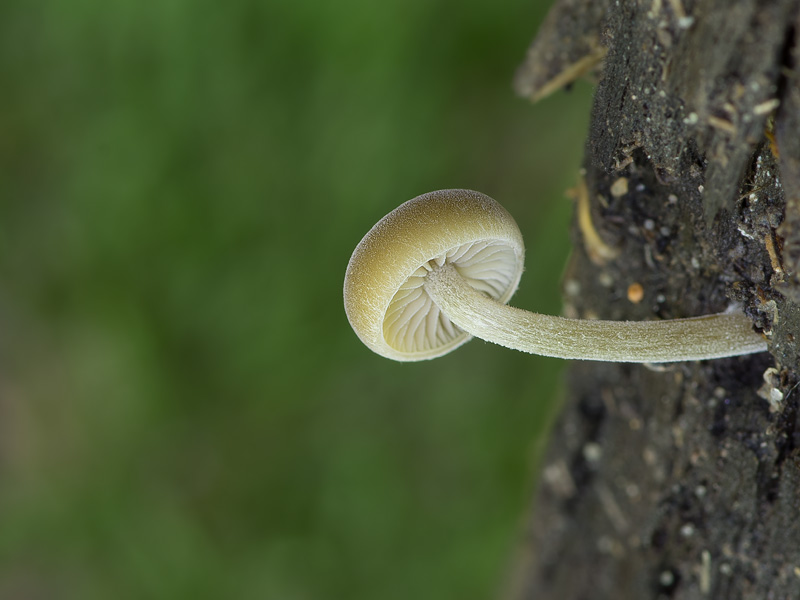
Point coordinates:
pixel 440 268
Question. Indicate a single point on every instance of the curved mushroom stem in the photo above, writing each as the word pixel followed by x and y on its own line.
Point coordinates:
pixel 697 338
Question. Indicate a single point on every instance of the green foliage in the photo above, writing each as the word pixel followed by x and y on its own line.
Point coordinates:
pixel 184 411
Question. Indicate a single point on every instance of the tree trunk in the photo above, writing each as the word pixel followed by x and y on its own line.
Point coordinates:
pixel 678 481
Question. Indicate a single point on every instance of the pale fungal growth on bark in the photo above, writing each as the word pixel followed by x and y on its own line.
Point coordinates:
pixel 440 268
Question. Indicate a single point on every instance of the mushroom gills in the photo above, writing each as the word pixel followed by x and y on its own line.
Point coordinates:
pixel 414 323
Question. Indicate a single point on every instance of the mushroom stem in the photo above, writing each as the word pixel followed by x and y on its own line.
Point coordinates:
pixel 697 338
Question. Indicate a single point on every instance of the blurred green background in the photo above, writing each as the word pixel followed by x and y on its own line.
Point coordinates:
pixel 184 410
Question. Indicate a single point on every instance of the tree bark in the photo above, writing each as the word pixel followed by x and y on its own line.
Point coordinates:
pixel 679 481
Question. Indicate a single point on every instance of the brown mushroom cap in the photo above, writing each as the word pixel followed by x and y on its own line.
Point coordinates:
pixel 384 295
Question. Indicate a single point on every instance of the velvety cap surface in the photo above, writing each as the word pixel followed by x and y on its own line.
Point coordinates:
pixel 384 295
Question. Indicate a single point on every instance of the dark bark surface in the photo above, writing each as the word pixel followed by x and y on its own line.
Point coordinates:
pixel 682 481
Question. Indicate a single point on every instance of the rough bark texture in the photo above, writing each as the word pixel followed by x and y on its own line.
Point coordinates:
pixel 682 481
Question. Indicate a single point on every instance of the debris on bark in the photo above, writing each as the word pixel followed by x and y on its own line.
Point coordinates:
pixel 681 481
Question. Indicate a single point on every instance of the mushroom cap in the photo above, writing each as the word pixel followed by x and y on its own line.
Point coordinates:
pixel 384 295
